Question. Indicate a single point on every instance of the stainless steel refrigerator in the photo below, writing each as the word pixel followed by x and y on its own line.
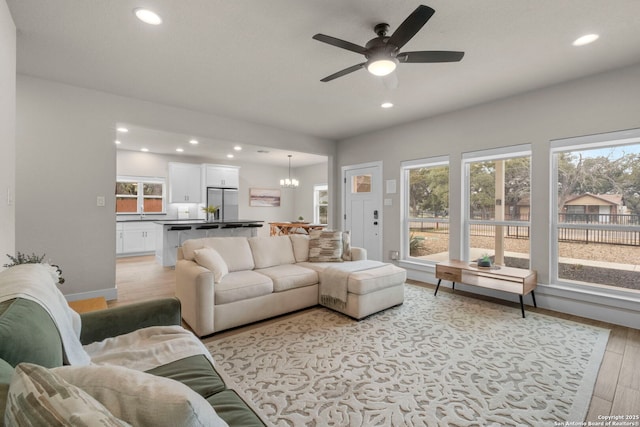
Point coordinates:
pixel 226 199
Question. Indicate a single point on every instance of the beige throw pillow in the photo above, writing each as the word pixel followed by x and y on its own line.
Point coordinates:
pixel 210 259
pixel 142 399
pixel 346 245
pixel 325 246
pixel 37 396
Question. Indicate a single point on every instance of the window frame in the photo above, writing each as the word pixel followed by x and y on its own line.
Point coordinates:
pixel 316 201
pixel 502 153
pixel 140 181
pixel 405 169
pixel 588 142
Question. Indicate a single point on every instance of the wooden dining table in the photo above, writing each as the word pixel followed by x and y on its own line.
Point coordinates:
pixel 285 228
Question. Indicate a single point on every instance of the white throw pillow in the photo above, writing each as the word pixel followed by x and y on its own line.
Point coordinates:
pixel 37 396
pixel 210 259
pixel 142 399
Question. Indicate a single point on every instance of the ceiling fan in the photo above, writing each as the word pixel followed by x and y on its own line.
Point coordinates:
pixel 383 52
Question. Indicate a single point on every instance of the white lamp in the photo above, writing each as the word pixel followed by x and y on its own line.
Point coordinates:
pixel 289 182
pixel 382 66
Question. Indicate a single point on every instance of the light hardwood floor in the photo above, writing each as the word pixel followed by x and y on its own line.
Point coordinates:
pixel 617 389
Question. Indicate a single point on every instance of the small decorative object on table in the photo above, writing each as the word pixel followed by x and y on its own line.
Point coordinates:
pixel 21 258
pixel 484 261
pixel 211 211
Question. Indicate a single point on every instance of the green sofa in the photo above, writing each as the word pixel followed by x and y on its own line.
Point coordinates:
pixel 28 334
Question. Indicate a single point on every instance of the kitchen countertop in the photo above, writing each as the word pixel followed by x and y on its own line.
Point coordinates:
pixel 202 221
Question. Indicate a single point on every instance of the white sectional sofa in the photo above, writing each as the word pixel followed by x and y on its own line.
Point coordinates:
pixel 224 282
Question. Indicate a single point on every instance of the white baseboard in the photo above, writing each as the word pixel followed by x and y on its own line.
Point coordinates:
pixel 108 294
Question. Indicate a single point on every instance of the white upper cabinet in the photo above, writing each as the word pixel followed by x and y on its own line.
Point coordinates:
pixel 222 176
pixel 185 183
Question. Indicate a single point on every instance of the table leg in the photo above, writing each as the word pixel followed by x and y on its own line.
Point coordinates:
pixel 453 285
pixel 533 295
pixel 521 305
pixel 437 286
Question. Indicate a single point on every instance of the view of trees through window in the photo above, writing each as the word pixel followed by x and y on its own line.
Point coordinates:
pixel 130 200
pixel 428 212
pixel 498 202
pixel 597 225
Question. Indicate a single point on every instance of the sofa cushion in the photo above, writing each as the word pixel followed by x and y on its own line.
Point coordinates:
pixel 142 399
pixel 300 243
pixel 325 246
pixel 231 408
pixel 374 279
pixel 196 372
pixel 241 285
pixel 235 251
pixel 289 276
pixel 37 396
pixel 28 334
pixel 270 251
pixel 210 259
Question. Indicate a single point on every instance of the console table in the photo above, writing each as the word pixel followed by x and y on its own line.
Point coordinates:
pixel 284 228
pixel 508 279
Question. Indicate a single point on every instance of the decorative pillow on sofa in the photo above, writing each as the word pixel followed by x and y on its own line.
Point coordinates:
pixel 142 399
pixel 210 259
pixel 300 243
pixel 38 397
pixel 325 246
pixel 346 245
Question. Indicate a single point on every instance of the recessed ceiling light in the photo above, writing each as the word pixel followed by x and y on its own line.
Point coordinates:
pixel 144 149
pixel 117 142
pixel 229 156
pixel 147 16
pixel 386 105
pixel 193 141
pixel 123 130
pixel 589 38
pixel 179 150
pixel 237 148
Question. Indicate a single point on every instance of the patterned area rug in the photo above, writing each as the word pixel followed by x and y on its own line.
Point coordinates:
pixel 434 361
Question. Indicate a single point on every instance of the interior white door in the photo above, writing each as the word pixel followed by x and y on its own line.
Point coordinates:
pixel 362 187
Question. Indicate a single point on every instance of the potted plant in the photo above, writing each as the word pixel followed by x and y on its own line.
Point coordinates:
pixel 211 211
pixel 21 258
pixel 484 261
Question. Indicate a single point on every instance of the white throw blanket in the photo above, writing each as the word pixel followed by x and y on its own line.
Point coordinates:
pixel 147 348
pixel 334 281
pixel 37 282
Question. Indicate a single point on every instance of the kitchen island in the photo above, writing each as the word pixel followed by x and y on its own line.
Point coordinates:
pixel 171 234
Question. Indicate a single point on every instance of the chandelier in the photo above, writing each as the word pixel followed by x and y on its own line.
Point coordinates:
pixel 289 182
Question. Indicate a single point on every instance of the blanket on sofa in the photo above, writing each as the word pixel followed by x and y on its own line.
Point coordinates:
pixel 37 282
pixel 147 348
pixel 334 281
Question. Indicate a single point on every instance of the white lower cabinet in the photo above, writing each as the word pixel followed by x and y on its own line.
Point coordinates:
pixel 136 238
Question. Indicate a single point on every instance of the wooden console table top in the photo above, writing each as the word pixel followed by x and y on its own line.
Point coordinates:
pixel 284 228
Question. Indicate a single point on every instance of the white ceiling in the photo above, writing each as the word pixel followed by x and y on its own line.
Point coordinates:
pixel 256 60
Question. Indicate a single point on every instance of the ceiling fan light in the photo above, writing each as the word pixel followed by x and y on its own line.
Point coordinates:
pixel 382 67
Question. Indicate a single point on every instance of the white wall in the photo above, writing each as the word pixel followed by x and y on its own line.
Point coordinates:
pixel 66 158
pixel 7 132
pixel 596 104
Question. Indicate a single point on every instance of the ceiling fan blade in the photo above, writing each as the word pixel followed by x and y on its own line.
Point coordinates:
pixel 340 43
pixel 343 72
pixel 430 56
pixel 411 26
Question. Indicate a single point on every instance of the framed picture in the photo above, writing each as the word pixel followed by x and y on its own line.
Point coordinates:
pixel 264 197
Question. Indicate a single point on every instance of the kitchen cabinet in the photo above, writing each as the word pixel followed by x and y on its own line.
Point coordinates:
pixel 222 176
pixel 135 237
pixel 185 183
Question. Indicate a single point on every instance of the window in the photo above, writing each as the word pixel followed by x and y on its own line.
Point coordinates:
pixel 596 208
pixel 140 195
pixel 497 205
pixel 320 204
pixel 426 210
pixel 361 184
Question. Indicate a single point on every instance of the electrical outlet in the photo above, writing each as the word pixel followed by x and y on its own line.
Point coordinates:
pixel 100 201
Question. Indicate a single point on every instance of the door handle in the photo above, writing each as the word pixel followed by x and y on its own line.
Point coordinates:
pixel 375 222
